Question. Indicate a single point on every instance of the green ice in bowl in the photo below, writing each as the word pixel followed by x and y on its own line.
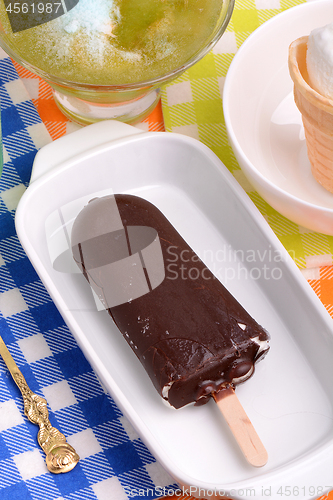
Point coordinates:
pixel 115 42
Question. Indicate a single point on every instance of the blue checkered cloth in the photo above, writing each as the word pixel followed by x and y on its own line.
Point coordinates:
pixel 114 463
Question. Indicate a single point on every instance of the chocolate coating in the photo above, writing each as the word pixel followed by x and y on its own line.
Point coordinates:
pixel 189 332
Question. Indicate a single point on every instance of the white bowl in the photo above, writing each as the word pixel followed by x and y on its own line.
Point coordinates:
pixel 263 124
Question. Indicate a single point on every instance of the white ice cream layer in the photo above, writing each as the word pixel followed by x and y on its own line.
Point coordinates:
pixel 263 345
pixel 320 60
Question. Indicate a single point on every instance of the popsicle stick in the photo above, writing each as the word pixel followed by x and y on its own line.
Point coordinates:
pixel 241 427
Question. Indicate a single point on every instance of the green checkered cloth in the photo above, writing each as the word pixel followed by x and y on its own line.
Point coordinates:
pixel 192 105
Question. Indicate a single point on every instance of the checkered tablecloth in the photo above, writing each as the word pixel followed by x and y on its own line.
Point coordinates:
pixel 114 464
pixel 114 461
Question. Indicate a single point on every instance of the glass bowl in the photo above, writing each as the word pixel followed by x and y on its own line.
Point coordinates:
pixel 128 98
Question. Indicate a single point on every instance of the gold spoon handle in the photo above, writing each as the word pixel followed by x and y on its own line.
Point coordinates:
pixel 60 456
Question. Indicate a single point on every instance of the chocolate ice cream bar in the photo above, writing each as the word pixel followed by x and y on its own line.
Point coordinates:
pixel 191 335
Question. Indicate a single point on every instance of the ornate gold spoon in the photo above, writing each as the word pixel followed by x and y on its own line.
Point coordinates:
pixel 60 456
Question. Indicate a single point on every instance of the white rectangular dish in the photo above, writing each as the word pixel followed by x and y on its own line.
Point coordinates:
pixel 289 398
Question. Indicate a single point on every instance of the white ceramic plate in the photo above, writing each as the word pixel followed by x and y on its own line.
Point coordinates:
pixel 264 125
pixel 289 398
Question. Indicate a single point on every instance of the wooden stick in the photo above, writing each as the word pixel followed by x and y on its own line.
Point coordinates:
pixel 241 427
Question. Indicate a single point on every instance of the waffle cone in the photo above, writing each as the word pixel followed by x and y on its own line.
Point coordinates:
pixel 317 116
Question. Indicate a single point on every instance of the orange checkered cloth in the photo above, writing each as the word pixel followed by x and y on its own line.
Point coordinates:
pixel 329 496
